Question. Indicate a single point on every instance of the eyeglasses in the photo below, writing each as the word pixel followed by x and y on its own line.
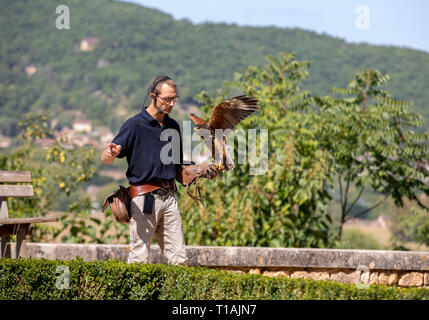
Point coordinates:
pixel 169 100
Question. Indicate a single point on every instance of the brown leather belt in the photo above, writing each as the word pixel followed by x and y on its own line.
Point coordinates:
pixel 137 190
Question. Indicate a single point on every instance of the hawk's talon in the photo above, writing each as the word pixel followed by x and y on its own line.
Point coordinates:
pixel 220 167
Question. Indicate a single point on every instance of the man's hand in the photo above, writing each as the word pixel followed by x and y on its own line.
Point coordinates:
pixel 111 152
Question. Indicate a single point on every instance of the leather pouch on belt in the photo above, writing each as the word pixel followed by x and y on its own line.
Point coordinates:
pixel 120 203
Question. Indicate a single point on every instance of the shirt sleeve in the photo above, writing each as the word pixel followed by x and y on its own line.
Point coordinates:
pixel 124 138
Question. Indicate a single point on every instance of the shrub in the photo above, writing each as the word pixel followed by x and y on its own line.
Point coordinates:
pixel 40 278
pixel 356 239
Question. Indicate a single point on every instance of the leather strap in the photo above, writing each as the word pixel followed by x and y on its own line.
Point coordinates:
pixel 135 191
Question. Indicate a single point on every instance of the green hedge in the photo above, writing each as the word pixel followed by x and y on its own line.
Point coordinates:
pixel 38 279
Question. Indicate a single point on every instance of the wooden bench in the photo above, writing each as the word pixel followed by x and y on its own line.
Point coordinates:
pixel 19 226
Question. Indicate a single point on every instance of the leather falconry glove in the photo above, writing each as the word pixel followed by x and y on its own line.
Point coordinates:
pixel 187 174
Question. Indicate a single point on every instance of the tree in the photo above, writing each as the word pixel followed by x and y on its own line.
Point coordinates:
pixel 62 166
pixel 413 227
pixel 368 134
pixel 287 204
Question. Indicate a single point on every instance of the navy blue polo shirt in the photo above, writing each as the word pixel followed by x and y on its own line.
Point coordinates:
pixel 152 151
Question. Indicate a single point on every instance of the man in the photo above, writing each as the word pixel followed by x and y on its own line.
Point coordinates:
pixel 154 210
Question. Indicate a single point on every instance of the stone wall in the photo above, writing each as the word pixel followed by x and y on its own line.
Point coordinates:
pixel 401 268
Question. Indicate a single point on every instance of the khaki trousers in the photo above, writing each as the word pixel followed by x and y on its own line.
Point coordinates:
pixel 165 223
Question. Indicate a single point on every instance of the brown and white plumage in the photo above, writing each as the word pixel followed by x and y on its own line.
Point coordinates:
pixel 226 115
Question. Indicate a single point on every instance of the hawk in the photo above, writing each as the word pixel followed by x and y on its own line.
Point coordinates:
pixel 226 115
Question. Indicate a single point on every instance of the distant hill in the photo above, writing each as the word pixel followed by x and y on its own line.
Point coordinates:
pixel 105 62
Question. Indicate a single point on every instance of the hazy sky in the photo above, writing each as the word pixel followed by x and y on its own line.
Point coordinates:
pixel 385 22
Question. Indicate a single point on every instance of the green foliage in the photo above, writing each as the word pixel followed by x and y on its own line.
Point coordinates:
pixel 79 226
pixel 413 227
pixel 31 279
pixel 286 205
pixel 363 139
pixel 356 239
pixel 137 44
pixel 289 208
pixel 371 139
pixel 61 167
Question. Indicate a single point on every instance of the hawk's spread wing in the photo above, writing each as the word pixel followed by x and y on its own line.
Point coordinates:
pixel 229 113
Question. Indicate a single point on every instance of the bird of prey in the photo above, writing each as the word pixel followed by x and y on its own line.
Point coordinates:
pixel 226 115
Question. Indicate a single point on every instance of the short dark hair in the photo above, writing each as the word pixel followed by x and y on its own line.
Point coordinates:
pixel 158 81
